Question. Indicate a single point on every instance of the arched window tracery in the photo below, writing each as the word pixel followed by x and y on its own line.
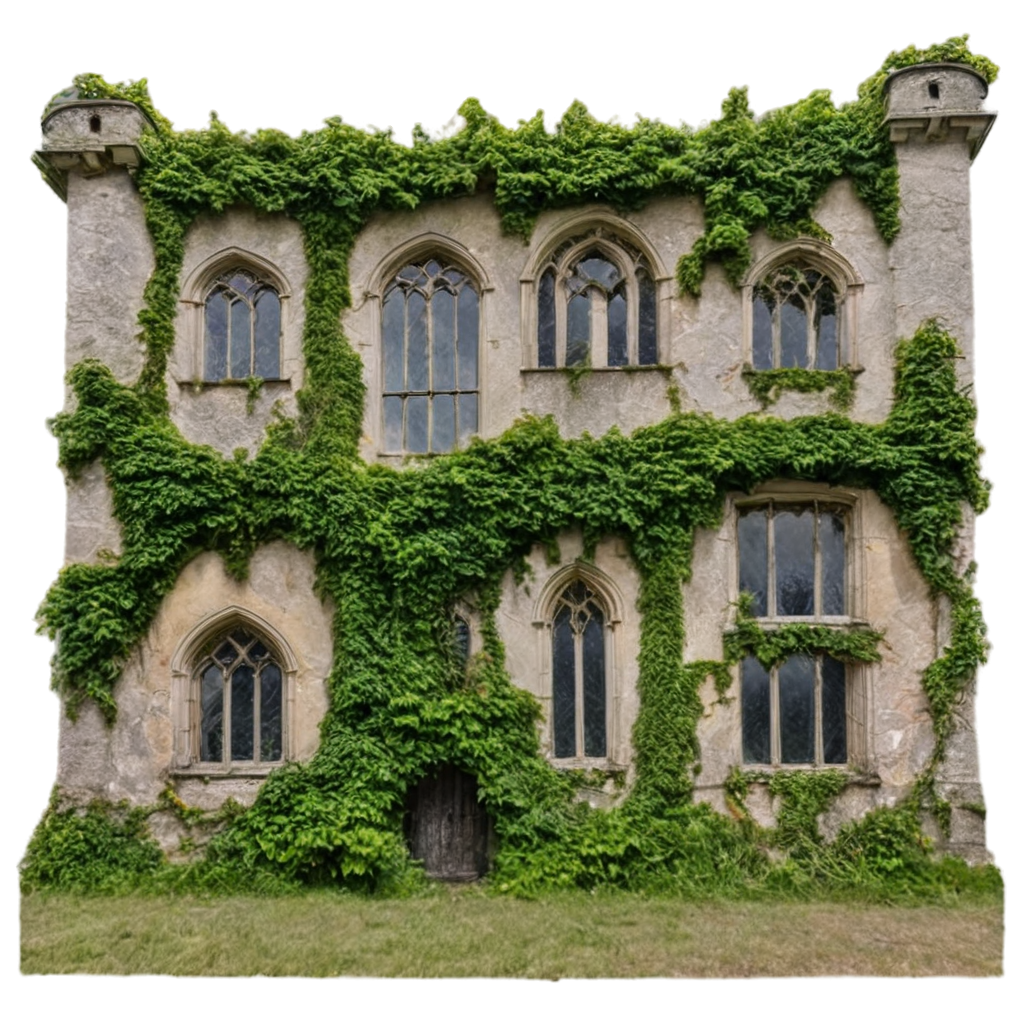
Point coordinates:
pixel 241 328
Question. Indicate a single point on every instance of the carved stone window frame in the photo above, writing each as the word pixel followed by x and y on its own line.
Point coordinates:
pixel 812 254
pixel 189 656
pixel 859 676
pixel 422 247
pixel 544 612
pixel 623 244
pixel 195 291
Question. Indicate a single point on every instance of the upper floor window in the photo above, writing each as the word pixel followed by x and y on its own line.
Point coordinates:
pixel 596 306
pixel 796 320
pixel 792 559
pixel 579 674
pixel 239 695
pixel 431 338
pixel 242 328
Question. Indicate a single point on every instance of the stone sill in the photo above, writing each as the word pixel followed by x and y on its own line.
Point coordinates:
pixel 213 772
pixel 583 371
pixel 230 382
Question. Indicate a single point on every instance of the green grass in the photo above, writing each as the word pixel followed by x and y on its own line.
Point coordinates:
pixel 461 932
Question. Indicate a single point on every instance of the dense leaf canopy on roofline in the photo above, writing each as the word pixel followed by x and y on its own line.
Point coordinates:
pixel 396 548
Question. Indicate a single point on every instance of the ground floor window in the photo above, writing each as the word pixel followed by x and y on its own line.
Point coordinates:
pixel 795 713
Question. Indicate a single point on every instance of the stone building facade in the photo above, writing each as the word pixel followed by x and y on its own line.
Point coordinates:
pixel 461 329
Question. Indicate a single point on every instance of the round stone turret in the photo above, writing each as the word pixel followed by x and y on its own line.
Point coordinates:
pixel 942 100
pixel 89 135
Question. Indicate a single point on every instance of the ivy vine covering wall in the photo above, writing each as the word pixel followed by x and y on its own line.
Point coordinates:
pixel 395 549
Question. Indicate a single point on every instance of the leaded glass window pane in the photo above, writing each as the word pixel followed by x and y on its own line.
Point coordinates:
pixel 577 337
pixel 271 723
pixel 579 678
pixel 833 711
pixel 794 562
pixel 417 366
pixel 753 545
pixel 755 703
pixel 216 315
pixel 594 724
pixel 460 640
pixel 442 308
pixel 796 710
pixel 243 719
pixel 793 333
pixel 268 335
pixel 648 348
pixel 211 696
pixel 430 331
pixel 796 319
pixel 243 713
pixel 764 357
pixel 618 346
pixel 546 319
pixel 563 671
pixel 442 437
pixel 832 546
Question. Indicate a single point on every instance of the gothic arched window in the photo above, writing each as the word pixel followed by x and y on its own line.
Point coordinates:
pixel 579 674
pixel 242 328
pixel 596 306
pixel 430 328
pixel 239 691
pixel 796 320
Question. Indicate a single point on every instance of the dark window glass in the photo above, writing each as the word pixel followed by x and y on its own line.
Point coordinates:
pixel 796 710
pixel 469 338
pixel 246 711
pixel 546 319
pixel 595 268
pixel 467 416
pixel 755 704
pixel 826 327
pixel 442 308
pixel 794 333
pixel 648 350
pixel 268 336
pixel 833 711
pixel 430 331
pixel 594 715
pixel 832 545
pixel 753 543
pixel 442 423
pixel 417 368
pixel 241 339
pixel 564 683
pixel 794 562
pixel 618 347
pixel 216 337
pixel 393 330
pixel 416 423
pixel 393 423
pixel 764 357
pixel 212 709
pixel 577 338
pixel 243 713
pixel 270 713
pixel 579 682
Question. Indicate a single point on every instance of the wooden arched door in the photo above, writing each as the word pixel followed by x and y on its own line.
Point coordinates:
pixel 447 826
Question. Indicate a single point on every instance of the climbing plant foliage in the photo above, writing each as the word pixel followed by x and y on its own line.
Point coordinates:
pixel 395 548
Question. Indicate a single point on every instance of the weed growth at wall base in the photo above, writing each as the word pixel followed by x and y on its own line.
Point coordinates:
pixel 396 549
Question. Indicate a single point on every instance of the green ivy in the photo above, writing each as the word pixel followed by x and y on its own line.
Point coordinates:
pixel 767 385
pixel 395 549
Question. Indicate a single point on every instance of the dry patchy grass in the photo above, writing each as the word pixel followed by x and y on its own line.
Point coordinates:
pixel 463 933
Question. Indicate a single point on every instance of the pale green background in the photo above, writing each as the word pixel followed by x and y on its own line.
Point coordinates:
pixel 288 66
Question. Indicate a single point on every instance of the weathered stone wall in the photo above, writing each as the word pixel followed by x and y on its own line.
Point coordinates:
pixel 703 346
pixel 146 747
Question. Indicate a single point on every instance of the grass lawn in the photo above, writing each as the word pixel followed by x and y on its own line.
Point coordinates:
pixel 461 932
